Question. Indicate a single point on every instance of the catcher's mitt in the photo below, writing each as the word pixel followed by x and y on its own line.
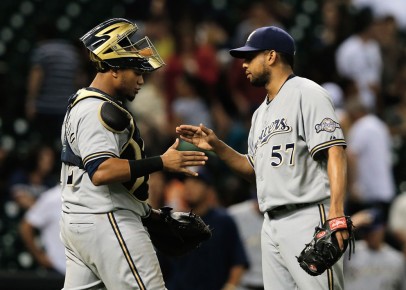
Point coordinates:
pixel 323 251
pixel 175 233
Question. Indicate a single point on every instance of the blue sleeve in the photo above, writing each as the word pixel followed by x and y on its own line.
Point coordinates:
pixel 92 166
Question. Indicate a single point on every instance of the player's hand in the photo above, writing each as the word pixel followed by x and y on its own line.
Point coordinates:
pixel 200 136
pixel 343 235
pixel 180 161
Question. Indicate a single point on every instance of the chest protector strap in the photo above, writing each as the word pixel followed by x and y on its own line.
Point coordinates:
pixel 111 115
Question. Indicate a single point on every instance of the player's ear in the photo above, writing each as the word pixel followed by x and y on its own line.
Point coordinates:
pixel 271 56
pixel 114 73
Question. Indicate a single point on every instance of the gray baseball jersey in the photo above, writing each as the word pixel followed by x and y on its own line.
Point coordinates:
pixel 90 138
pixel 284 144
pixel 97 127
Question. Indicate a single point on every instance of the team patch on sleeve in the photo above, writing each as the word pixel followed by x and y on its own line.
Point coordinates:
pixel 327 125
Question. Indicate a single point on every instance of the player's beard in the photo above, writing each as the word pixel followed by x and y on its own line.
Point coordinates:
pixel 130 97
pixel 126 91
pixel 125 95
pixel 128 94
pixel 261 80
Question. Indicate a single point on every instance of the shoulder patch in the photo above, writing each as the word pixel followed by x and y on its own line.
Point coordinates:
pixel 113 117
pixel 328 125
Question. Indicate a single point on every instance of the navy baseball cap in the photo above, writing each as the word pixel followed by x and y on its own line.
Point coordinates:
pixel 266 38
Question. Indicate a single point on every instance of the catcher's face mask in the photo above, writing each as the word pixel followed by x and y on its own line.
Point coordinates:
pixel 113 44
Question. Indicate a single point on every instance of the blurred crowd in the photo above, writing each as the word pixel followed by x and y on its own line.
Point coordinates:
pixel 355 49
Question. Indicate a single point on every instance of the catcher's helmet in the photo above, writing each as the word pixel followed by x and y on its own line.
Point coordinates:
pixel 112 45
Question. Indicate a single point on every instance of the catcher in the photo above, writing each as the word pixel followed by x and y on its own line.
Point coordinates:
pixel 105 173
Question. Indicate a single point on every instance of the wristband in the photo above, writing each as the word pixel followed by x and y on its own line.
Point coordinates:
pixel 142 167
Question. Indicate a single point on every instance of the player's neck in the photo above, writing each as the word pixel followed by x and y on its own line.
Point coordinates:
pixel 276 83
pixel 102 83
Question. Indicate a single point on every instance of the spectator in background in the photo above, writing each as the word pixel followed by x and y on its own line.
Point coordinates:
pixel 393 49
pixel 54 75
pixel 190 56
pixel 233 129
pixel 159 30
pixel 336 23
pixel 34 177
pixel 335 27
pixel 149 109
pixel 376 265
pixel 359 58
pixel 370 179
pixel 338 98
pixel 395 117
pixel 189 105
pixel 384 8
pixel 246 97
pixel 44 216
pixel 249 222
pixel 258 14
pixel 221 261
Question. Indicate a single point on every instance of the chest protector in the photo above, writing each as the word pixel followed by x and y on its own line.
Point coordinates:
pixel 117 119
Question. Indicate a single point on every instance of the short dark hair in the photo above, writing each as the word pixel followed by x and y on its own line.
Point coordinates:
pixel 363 19
pixel 287 58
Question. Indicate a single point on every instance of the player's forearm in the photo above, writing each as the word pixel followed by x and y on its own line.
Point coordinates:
pixel 235 161
pixel 115 170
pixel 112 170
pixel 337 173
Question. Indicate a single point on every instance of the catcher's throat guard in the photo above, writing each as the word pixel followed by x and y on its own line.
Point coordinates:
pixel 323 251
pixel 175 233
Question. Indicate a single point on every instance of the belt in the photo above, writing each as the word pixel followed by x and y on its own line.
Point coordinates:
pixel 285 209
